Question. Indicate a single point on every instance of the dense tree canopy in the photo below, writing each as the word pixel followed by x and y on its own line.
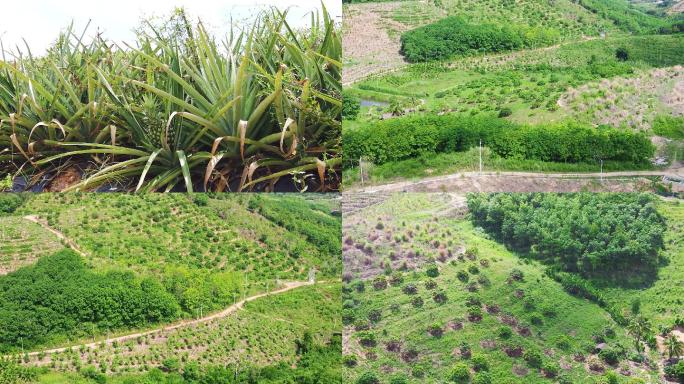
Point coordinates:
pixel 453 36
pixel 404 138
pixel 59 296
pixel 585 233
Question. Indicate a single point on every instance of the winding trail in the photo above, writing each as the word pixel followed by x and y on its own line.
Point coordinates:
pixel 476 181
pixel 60 235
pixel 183 323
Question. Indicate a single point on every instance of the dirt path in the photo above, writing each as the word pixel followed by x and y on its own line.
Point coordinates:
pixel 184 323
pixel 525 182
pixel 60 235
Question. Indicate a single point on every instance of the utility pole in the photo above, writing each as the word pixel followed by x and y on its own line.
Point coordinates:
pixel 480 156
pixel 361 171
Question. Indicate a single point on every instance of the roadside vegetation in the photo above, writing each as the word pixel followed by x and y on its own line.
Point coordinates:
pixel 432 296
pixel 178 109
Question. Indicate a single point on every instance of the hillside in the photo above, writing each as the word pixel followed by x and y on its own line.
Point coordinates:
pixel 600 64
pixel 123 284
pixel 429 298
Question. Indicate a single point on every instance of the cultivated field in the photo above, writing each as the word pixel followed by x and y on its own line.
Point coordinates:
pixel 431 297
pixel 117 287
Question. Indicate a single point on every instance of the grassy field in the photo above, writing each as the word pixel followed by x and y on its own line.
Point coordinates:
pixel 426 292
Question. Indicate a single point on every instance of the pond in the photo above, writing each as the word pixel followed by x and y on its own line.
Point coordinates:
pixel 373 103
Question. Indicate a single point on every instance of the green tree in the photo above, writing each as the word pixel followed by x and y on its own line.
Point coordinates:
pixel 639 327
pixel 674 346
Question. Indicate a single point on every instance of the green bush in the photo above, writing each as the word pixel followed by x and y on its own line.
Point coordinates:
pixel 480 363
pixel 350 107
pixel 415 136
pixel 533 357
pixel 452 36
pixel 676 371
pixel 368 378
pixel 9 202
pixel 459 374
pixel 669 126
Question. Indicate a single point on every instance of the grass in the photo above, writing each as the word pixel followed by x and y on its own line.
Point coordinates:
pixel 471 265
pixel 178 110
pixel 469 161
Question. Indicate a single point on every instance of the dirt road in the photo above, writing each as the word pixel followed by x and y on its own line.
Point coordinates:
pixel 528 182
pixel 184 323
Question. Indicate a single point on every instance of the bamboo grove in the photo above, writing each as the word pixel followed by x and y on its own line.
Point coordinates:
pixel 179 109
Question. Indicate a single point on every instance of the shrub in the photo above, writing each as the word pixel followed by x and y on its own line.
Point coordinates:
pixel 439 297
pixel 505 332
pixel 459 374
pixel 350 360
pixel 463 276
pixel 367 339
pixel 536 319
pixel 435 330
pixel 622 54
pixel 505 112
pixel 676 371
pixel 379 283
pixel 480 363
pixel 374 315
pixel 398 378
pixel 610 356
pixel 612 377
pixel 350 107
pixel 417 301
pixel 410 289
pixel 533 357
pixel 563 342
pixel 432 271
pixel 551 369
pixel 482 378
pixel 368 378
pixel 396 279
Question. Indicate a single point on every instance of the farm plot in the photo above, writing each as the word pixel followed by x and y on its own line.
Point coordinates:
pixel 155 233
pixel 261 332
pixel 632 102
pixel 370 35
pixel 23 242
pixel 484 315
